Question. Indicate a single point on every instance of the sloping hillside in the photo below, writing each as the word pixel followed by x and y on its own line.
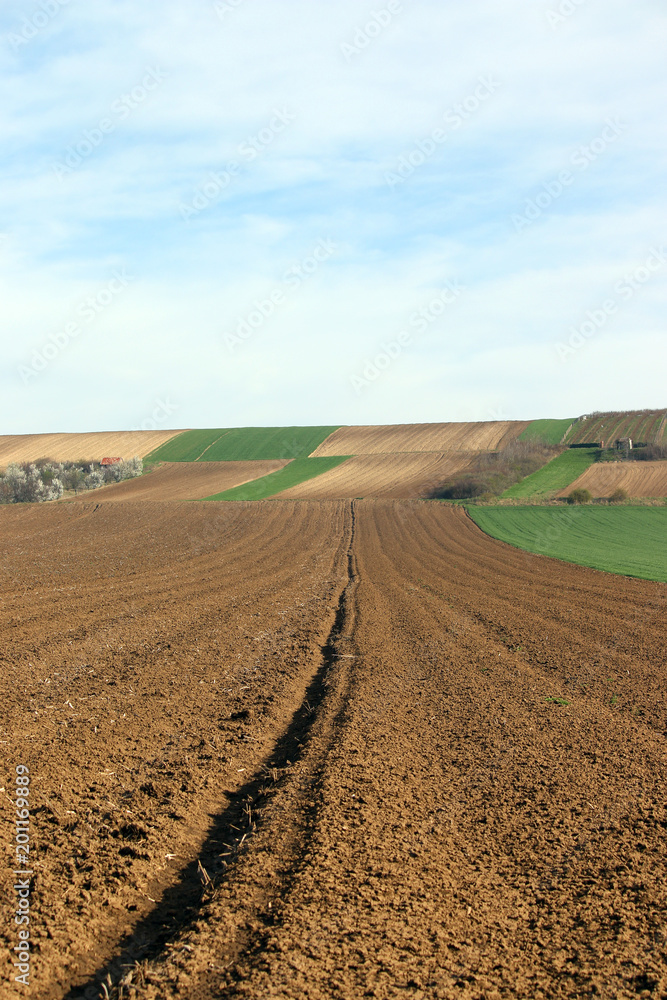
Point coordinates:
pixel 397 475
pixel 638 479
pixel 242 444
pixel 184 481
pixel 481 436
pixel 649 426
pixel 89 447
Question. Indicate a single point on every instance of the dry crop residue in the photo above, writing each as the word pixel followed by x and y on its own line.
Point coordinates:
pixel 186 481
pixel 638 479
pixel 391 755
pixel 484 436
pixel 72 447
pixel 398 476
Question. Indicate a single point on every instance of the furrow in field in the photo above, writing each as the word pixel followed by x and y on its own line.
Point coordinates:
pixel 275 804
pixel 185 481
pixel 642 425
pixel 472 834
pixel 399 475
pixel 468 744
pixel 178 640
pixel 638 479
pixel 485 436
pixel 88 447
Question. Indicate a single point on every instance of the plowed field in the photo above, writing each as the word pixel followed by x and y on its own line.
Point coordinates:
pixel 649 426
pixel 638 479
pixel 185 481
pixel 485 436
pixel 330 750
pixel 71 447
pixel 400 476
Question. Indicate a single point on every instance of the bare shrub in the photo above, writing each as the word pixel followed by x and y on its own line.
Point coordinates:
pixel 580 495
pixel 649 453
pixel 491 473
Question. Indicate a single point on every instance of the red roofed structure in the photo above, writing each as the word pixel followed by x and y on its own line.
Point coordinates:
pixel 110 461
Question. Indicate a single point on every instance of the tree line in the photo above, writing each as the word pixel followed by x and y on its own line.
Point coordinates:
pixel 45 480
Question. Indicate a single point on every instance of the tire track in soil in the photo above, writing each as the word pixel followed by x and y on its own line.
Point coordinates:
pixel 217 608
pixel 144 956
pixel 443 830
pixel 476 841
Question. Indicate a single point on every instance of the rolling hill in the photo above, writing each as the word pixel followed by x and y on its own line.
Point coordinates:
pixel 647 426
pixel 88 447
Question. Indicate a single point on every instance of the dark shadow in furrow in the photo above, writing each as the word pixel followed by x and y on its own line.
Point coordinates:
pixel 179 906
pixel 255 944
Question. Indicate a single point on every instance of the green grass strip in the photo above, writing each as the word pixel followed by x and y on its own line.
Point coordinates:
pixel 241 444
pixel 555 475
pixel 258 443
pixel 186 447
pixel 628 540
pixel 547 431
pixel 298 471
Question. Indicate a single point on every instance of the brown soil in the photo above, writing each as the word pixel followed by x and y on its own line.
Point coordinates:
pixel 89 447
pixel 400 476
pixel 310 750
pixel 638 479
pixel 485 436
pixel 185 481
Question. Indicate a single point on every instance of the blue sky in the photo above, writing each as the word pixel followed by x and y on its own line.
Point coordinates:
pixel 251 213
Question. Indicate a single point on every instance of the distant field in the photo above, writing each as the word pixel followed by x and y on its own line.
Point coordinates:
pixel 398 476
pixel 627 540
pixel 546 431
pixel 187 447
pixel 291 475
pixel 556 475
pixel 638 479
pixel 242 444
pixel 253 443
pixel 481 436
pixel 649 426
pixel 71 447
pixel 182 481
